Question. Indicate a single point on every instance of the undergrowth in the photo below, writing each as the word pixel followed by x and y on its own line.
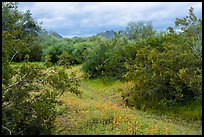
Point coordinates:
pixel 102 111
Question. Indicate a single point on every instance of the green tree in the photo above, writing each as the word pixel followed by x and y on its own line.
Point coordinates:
pixel 191 32
pixel 30 90
pixel 26 29
pixel 65 60
pixel 139 30
pixel 94 63
pixel 164 71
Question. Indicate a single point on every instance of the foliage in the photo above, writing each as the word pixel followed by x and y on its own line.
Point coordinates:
pixel 163 74
pixel 55 46
pixel 10 42
pixel 107 58
pixel 95 59
pixel 29 90
pixel 21 27
pixel 139 30
pixel 166 75
pixel 54 50
pixel 191 32
pixel 164 67
pixel 64 59
pixel 29 104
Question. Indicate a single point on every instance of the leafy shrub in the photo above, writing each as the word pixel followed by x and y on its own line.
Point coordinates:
pixel 107 58
pixel 29 90
pixel 167 72
pixel 95 61
pixel 29 105
pixel 165 76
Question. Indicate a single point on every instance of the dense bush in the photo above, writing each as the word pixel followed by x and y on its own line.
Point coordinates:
pixel 95 59
pixel 122 48
pixel 29 105
pixel 168 72
pixel 54 49
pixel 166 76
pixel 29 90
pixel 75 47
pixel 107 58
pixel 165 67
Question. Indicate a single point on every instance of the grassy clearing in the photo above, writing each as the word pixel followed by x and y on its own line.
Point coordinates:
pixel 101 111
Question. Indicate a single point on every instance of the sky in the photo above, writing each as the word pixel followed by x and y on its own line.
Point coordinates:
pixel 89 18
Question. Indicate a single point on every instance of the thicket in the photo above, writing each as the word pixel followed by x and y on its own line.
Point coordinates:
pixel 165 67
pixel 108 56
pixel 48 44
pixel 170 73
pixel 29 90
pixel 74 47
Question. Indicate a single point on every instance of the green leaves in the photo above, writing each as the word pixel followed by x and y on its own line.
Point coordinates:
pixel 191 33
pixel 164 75
pixel 65 59
pixel 17 37
pixel 36 88
pixel 139 30
pixel 29 90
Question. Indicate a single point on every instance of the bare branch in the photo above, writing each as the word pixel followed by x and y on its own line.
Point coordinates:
pixel 61 62
pixel 13 56
pixel 7 129
pixel 6 105
pixel 16 83
pixel 13 85
pixel 21 131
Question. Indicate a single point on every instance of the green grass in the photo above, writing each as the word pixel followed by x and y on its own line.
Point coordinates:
pixel 22 63
pixel 101 111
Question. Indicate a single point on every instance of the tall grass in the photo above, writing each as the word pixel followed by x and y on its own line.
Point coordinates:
pixel 102 111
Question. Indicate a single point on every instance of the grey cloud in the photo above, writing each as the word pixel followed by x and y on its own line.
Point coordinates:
pixel 68 18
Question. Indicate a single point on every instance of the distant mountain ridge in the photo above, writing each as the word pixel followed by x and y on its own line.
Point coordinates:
pixel 55 35
pixel 110 34
pixel 107 34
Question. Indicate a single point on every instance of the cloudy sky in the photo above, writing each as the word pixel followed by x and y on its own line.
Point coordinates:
pixel 89 18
